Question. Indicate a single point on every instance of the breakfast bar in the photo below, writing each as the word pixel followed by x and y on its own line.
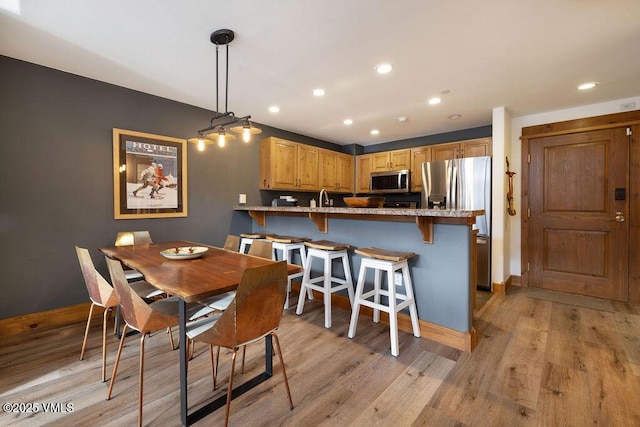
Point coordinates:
pixel 442 271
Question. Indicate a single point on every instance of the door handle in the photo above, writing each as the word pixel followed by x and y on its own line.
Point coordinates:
pixel 619 217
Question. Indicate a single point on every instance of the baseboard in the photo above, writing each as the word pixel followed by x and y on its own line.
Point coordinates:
pixel 465 341
pixel 29 323
pixel 503 288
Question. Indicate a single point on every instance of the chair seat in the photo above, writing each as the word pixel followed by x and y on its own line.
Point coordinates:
pixel 288 239
pixel 327 245
pixel 384 254
pixel 197 327
pixel 145 290
pixel 219 302
pixel 254 235
pixel 132 275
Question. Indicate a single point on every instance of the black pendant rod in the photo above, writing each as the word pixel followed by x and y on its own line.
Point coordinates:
pixel 217 106
pixel 226 89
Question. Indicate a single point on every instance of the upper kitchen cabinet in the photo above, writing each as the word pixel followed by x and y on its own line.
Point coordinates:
pixel 288 165
pixel 336 171
pixel 363 172
pixel 418 156
pixel 470 148
pixel 391 160
pixel 476 147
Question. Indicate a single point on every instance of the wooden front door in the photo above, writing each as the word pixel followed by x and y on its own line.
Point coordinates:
pixel 579 234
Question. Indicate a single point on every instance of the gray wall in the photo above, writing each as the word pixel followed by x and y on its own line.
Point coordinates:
pixel 56 179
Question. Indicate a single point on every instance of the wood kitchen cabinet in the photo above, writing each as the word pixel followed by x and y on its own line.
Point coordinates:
pixel 470 148
pixel 288 165
pixel 418 156
pixel 336 171
pixel 391 160
pixel 363 173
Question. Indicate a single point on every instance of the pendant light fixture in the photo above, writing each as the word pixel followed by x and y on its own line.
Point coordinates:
pixel 221 123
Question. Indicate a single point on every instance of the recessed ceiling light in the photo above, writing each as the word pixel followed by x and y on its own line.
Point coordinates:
pixel 435 100
pixel 318 92
pixel 586 86
pixel 455 116
pixel 348 122
pixel 384 68
pixel 403 119
pixel 375 131
pixel 274 109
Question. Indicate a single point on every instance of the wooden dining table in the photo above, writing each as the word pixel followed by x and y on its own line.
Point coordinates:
pixel 215 272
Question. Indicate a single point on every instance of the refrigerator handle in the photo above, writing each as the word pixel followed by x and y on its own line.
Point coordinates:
pixel 453 187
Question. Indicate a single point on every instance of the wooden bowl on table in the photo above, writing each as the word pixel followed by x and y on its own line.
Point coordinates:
pixel 364 202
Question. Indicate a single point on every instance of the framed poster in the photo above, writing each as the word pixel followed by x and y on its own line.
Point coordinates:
pixel 149 175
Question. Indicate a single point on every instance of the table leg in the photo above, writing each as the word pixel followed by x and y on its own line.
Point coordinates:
pixel 221 401
pixel 268 355
pixel 183 361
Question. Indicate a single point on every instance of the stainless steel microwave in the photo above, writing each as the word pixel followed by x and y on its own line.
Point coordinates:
pixel 390 182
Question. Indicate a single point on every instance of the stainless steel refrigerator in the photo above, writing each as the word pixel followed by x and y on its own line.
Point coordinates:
pixel 463 184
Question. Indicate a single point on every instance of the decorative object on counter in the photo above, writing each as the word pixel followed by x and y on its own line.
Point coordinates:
pixel 511 208
pixel 289 244
pixel 326 251
pixel 221 122
pixel 389 261
pixel 312 203
pixel 364 202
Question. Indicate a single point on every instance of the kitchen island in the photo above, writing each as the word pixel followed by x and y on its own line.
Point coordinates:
pixel 442 271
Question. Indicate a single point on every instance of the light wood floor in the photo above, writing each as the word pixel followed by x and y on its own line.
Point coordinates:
pixel 537 363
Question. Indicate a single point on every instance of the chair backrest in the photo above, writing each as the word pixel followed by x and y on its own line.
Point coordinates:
pixel 136 312
pixel 99 289
pixel 128 238
pixel 260 248
pixel 255 311
pixel 232 243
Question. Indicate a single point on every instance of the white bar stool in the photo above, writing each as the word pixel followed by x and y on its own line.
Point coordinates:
pixel 326 251
pixel 289 244
pixel 382 260
pixel 248 238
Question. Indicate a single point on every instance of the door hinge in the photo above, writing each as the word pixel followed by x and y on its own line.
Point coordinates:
pixel 528 158
pixel 528 212
pixel 629 131
pixel 528 267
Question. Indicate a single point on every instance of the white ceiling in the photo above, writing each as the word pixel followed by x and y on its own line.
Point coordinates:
pixel 525 55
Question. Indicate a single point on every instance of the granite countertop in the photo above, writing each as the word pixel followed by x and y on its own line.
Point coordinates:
pixel 366 211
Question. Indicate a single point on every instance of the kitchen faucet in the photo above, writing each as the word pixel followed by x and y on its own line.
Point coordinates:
pixel 326 198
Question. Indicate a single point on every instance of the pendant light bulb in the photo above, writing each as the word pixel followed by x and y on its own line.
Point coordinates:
pixel 221 138
pixel 246 134
pixel 200 144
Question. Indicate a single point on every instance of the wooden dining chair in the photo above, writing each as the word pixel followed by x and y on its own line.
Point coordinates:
pixel 102 294
pixel 254 313
pixel 259 248
pixel 142 317
pixel 232 243
pixel 129 238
